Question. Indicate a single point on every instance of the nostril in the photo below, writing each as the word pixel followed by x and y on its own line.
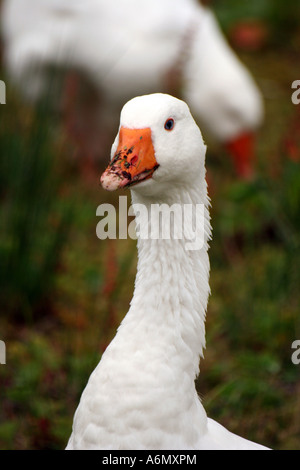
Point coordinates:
pixel 134 160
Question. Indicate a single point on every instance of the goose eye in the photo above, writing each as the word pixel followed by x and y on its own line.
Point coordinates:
pixel 169 124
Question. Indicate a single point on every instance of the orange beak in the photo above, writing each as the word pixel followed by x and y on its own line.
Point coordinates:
pixel 242 151
pixel 133 162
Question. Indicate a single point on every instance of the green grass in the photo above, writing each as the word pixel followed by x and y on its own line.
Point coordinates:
pixel 34 221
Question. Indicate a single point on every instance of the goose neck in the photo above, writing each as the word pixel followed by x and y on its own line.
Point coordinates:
pixel 171 287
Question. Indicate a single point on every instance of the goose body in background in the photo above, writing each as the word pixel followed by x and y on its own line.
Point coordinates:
pixel 142 393
pixel 129 48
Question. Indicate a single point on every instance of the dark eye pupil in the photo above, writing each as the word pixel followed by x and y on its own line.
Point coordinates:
pixel 169 124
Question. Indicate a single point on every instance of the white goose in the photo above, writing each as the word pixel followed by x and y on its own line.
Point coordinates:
pixel 142 393
pixel 129 48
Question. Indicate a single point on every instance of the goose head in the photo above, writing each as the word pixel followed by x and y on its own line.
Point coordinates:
pixel 158 146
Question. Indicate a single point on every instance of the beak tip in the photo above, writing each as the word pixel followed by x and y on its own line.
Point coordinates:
pixel 111 181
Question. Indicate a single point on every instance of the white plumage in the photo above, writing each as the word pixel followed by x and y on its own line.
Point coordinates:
pixel 142 393
pixel 128 48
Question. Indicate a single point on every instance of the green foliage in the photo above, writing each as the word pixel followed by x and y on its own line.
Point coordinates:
pixel 231 11
pixel 33 219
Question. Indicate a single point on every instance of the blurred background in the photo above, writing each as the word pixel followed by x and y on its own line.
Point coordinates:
pixel 63 291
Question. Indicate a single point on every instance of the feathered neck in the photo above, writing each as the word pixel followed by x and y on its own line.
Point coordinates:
pixel 172 282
